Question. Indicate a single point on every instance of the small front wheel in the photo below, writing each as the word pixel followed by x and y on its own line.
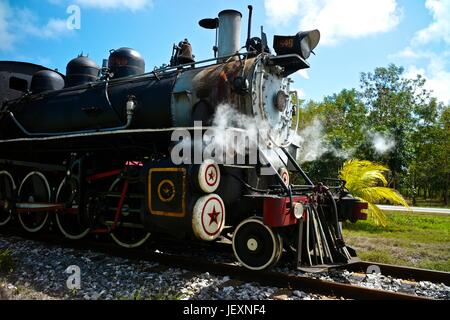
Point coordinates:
pixel 255 245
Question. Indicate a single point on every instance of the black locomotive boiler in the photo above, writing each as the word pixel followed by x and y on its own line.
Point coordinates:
pixel 92 149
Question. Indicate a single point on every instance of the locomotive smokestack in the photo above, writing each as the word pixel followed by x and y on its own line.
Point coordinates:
pixel 229 32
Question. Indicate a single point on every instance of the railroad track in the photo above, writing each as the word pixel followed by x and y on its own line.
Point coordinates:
pixel 406 273
pixel 270 278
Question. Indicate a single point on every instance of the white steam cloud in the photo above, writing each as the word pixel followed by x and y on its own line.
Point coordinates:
pixel 310 142
pixel 256 135
pixel 382 143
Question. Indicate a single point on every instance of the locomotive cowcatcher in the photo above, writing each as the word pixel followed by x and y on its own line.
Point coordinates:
pixel 93 151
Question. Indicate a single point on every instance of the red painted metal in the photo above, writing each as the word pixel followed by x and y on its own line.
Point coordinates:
pixel 357 211
pixel 120 206
pixel 277 211
pixel 134 164
pixel 100 231
pixel 27 207
pixel 102 175
pixel 71 211
pixel 23 207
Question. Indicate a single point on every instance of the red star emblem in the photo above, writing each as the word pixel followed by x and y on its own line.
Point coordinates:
pixel 213 216
pixel 211 175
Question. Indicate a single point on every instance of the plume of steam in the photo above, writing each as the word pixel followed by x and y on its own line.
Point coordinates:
pixel 236 138
pixel 254 139
pixel 381 143
pixel 311 142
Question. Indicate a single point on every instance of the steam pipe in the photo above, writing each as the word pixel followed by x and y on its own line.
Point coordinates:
pixel 249 31
pixel 130 108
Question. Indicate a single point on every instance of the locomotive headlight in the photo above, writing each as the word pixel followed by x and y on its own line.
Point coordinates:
pixel 309 40
pixel 303 43
pixel 280 101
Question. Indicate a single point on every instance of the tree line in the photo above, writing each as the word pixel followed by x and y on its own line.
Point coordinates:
pixel 389 119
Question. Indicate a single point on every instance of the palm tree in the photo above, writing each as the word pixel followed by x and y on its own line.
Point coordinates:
pixel 365 180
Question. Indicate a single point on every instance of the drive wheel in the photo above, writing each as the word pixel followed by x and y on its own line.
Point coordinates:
pixel 70 222
pixel 129 231
pixel 34 188
pixel 7 188
pixel 255 245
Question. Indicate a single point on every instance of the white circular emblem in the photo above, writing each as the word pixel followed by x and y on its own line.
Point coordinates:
pixel 208 176
pixel 284 174
pixel 208 217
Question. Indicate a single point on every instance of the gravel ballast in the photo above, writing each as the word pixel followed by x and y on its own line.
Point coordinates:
pixel 40 273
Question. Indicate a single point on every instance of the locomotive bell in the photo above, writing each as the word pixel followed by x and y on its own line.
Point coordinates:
pixel 183 53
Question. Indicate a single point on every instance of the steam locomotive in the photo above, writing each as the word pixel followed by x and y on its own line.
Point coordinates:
pixel 93 150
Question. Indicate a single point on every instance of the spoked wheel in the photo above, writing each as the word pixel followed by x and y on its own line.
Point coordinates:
pixel 70 221
pixel 7 187
pixel 34 188
pixel 129 232
pixel 255 245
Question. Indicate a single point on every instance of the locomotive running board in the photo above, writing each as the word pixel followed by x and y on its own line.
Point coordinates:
pixel 37 165
pixel 111 133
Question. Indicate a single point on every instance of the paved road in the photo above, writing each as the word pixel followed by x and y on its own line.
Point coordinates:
pixel 415 209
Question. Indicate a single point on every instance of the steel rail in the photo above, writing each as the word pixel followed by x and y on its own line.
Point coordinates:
pixel 402 272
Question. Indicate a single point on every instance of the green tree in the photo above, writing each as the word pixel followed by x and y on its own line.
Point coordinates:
pixel 394 103
pixel 397 107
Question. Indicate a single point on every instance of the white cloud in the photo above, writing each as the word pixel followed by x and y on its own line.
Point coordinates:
pixel 18 23
pixel 281 11
pixel 300 93
pixel 436 70
pixel 439 29
pixel 132 5
pixel 407 53
pixel 336 19
pixel 6 38
pixel 304 73
pixel 26 23
pixel 437 78
pixel 54 28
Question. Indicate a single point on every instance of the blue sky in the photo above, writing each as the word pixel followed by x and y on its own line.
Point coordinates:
pixel 357 35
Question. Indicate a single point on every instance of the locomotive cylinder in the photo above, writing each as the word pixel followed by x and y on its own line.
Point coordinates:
pixel 229 32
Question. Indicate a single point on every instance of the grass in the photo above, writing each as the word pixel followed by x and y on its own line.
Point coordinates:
pixel 6 260
pixel 432 203
pixel 412 239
